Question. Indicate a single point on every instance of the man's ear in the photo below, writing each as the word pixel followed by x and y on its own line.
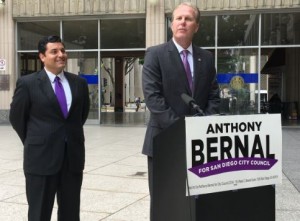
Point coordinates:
pixel 41 56
pixel 197 28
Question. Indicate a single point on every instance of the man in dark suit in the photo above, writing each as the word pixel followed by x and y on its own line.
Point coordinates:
pixel 165 78
pixel 52 134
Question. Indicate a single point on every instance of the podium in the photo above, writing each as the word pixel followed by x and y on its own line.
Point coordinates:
pixel 170 202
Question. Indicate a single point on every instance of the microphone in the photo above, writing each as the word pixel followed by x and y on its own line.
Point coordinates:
pixel 192 103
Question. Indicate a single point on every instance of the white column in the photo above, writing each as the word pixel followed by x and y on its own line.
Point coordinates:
pixel 132 83
pixel 138 80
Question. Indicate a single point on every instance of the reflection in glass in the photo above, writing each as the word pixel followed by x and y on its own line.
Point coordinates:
pixel 238 78
pixel 237 30
pixel 131 83
pixel 280 29
pixel 108 84
pixel 85 64
pixel 205 37
pixel 80 34
pixel 29 63
pixel 31 32
pixel 125 33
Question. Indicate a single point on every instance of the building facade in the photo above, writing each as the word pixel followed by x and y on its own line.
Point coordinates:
pixel 256 44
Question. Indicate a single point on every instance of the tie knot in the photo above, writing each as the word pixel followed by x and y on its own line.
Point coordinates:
pixel 185 52
pixel 57 79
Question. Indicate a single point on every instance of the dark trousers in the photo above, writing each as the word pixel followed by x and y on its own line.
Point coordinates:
pixel 150 183
pixel 41 191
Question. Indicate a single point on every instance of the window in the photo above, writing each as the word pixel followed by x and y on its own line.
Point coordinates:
pixel 125 33
pixel 80 34
pixel 280 29
pixel 237 30
pixel 31 32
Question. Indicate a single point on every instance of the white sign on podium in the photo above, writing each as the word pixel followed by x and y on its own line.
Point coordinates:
pixel 233 152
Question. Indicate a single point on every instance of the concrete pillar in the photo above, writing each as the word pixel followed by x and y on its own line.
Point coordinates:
pixel 7 56
pixel 155 22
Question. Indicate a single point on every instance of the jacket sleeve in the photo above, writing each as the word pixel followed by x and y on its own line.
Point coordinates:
pixel 19 109
pixel 163 115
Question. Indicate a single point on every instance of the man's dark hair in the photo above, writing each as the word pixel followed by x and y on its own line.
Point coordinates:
pixel 45 40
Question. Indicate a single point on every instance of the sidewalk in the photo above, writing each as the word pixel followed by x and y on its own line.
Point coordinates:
pixel 115 186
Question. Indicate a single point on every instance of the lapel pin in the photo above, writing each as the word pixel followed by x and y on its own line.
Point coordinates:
pixel 199 59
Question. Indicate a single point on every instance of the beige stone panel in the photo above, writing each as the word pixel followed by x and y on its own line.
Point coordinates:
pixel 37 7
pixel 66 7
pixel 119 6
pixel 296 2
pixel 104 6
pixel 96 6
pixel 74 7
pixel 15 7
pixel 155 23
pixel 29 7
pixel 52 7
pixel 129 6
pixel 7 53
pixel 89 7
pixel 21 7
pixel 58 7
pixel 266 3
pixel 213 5
pixel 244 4
pixel 44 8
pixel 81 7
pixel 24 8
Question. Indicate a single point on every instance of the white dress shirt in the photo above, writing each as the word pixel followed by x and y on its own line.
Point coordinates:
pixel 64 83
pixel 190 55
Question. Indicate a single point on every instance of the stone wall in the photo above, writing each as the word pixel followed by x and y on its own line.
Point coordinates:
pixel 220 5
pixel 29 8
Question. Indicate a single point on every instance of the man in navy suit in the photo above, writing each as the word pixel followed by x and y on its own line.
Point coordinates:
pixel 54 151
pixel 165 79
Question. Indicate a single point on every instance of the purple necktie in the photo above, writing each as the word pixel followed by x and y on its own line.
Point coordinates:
pixel 61 96
pixel 187 68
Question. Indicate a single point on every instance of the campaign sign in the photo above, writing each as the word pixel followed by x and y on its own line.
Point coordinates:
pixel 233 152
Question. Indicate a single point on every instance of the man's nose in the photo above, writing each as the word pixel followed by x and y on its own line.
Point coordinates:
pixel 61 53
pixel 182 21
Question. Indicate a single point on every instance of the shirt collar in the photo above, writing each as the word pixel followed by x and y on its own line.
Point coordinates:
pixel 180 49
pixel 52 76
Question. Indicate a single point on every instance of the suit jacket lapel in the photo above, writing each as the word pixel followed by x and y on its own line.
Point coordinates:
pixel 74 89
pixel 178 65
pixel 47 89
